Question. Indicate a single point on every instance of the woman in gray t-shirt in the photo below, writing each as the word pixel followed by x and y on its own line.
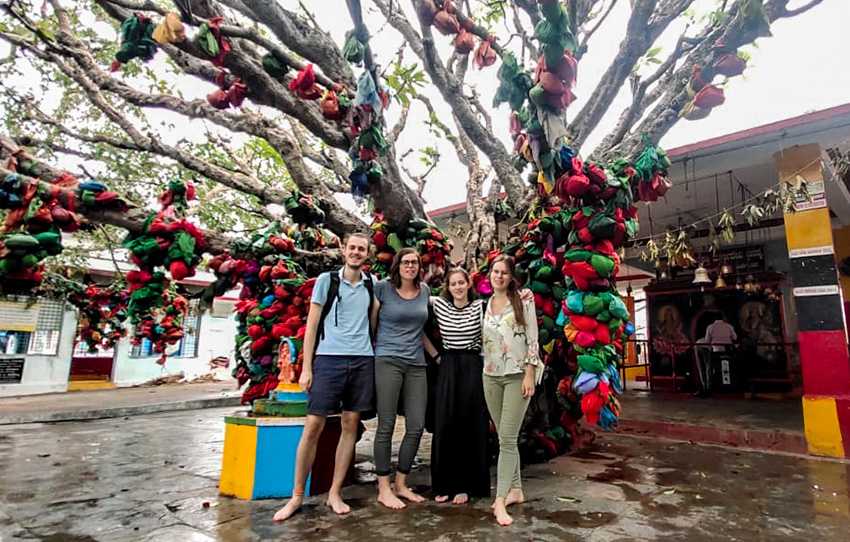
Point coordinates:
pixel 401 310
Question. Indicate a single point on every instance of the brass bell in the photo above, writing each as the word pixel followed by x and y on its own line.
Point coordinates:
pixel 701 276
pixel 720 283
pixel 725 269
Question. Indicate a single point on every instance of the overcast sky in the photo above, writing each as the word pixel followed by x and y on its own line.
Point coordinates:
pixel 803 67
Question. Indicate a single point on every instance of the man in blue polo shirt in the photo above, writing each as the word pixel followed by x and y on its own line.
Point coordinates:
pixel 341 375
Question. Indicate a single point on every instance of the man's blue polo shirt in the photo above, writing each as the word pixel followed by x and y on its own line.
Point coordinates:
pixel 347 323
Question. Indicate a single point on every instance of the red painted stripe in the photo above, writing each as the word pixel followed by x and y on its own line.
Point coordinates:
pixel 842 405
pixel 825 362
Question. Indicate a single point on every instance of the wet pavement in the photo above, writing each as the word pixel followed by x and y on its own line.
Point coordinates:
pixel 155 478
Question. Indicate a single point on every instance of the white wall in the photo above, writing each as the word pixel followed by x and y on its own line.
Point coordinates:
pixel 216 338
pixel 46 374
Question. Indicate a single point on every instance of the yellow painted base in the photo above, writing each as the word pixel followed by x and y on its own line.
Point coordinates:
pixel 823 433
pixel 86 385
pixel 632 373
pixel 288 387
pixel 238 461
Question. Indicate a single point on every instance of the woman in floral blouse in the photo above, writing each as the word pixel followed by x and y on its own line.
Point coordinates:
pixel 512 369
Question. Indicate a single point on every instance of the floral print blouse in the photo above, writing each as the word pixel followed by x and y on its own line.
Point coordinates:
pixel 507 347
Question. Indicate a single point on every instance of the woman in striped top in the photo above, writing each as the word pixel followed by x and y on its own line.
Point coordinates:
pixel 459 463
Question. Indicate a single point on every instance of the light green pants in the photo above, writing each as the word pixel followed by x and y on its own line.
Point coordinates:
pixel 507 407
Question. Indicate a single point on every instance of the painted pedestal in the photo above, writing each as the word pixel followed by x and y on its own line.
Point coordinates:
pixel 259 449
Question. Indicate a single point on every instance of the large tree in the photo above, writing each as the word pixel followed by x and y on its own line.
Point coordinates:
pixel 118 125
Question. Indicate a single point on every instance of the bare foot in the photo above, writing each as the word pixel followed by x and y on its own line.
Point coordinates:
pixel 502 517
pixel 515 496
pixel 406 493
pixel 441 498
pixel 291 506
pixel 460 498
pixel 388 499
pixel 337 504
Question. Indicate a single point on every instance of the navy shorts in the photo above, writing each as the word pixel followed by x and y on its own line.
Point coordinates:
pixel 342 383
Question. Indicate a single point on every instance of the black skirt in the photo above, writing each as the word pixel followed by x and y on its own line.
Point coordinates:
pixel 459 445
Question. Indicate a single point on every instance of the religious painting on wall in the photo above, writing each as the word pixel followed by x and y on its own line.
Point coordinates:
pixel 678 320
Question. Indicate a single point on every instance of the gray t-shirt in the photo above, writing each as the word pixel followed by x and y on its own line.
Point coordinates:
pixel 401 323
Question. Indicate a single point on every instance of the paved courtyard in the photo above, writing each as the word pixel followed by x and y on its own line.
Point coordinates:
pixel 154 477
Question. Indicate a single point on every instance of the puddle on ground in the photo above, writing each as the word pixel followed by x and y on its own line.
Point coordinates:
pixel 618 471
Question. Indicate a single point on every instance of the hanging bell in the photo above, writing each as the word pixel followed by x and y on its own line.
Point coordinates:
pixel 701 275
pixel 720 283
pixel 726 269
pixel 663 275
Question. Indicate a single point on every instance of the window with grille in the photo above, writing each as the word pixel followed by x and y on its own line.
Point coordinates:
pixel 45 339
pixel 30 327
pixel 14 342
pixel 188 345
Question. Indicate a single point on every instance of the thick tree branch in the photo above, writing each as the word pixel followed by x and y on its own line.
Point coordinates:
pixel 451 91
pixel 243 63
pixel 340 220
pixel 640 36
pixel 667 112
pixel 778 9
pixel 299 36
pixel 133 218
pixel 232 31
pixel 640 100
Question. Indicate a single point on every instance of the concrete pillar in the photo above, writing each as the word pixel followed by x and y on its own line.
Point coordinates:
pixel 822 338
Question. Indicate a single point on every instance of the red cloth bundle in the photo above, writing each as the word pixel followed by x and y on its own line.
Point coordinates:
pixel 445 20
pixel 709 96
pixel 592 403
pixel 330 105
pixel 464 42
pixel 304 84
pixel 730 65
pixel 485 55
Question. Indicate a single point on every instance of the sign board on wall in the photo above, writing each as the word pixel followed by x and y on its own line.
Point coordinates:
pixel 11 370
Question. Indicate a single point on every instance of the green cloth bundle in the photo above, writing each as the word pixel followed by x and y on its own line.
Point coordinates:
pixel 273 66
pixel 136 40
pixel 353 49
pixel 514 83
pixel 206 41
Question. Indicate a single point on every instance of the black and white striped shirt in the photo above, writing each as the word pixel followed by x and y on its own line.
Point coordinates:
pixel 460 329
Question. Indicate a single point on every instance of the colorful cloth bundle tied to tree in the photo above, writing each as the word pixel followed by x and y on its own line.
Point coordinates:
pixel 37 214
pixel 103 311
pixel 273 305
pixel 167 241
pixel 433 246
pixel 274 295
